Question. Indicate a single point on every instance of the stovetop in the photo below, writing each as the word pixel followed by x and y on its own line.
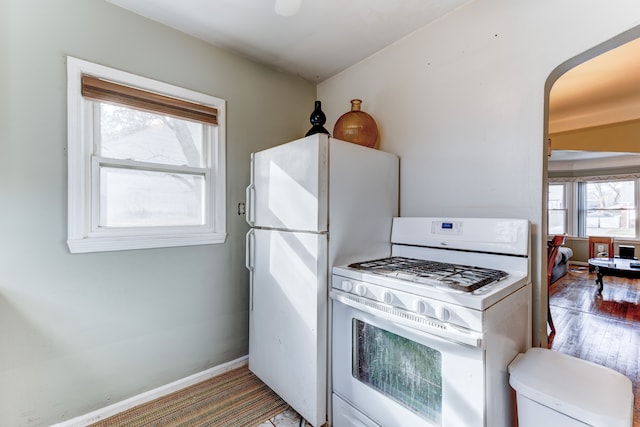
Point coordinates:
pixel 466 265
pixel 464 278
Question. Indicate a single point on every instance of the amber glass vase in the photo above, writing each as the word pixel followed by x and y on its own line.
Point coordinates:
pixel 357 126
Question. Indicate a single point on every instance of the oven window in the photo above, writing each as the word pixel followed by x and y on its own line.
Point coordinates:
pixel 403 370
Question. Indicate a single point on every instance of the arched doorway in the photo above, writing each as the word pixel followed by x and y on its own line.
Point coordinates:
pixel 586 97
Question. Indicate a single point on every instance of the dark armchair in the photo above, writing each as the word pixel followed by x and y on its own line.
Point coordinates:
pixel 553 246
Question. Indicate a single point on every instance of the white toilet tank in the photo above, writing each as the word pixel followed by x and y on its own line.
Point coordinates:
pixel 554 389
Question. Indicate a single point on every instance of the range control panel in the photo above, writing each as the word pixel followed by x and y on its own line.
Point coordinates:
pixel 446 227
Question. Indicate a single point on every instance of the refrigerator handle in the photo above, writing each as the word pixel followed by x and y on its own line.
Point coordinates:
pixel 249 251
pixel 248 260
pixel 250 213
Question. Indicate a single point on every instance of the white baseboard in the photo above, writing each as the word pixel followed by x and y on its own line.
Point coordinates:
pixel 108 411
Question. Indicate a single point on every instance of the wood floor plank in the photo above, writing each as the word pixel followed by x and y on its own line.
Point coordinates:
pixel 604 329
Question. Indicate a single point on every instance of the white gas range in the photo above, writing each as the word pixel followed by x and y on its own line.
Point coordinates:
pixel 425 336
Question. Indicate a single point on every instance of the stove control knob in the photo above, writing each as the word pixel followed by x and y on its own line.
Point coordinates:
pixel 347 286
pixel 442 313
pixel 422 307
pixel 388 297
pixel 361 290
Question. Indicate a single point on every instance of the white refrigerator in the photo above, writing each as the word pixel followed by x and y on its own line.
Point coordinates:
pixel 312 203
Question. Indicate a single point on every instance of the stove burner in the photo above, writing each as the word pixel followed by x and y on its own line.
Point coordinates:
pixel 461 277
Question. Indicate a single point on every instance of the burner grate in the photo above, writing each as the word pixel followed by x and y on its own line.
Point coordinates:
pixel 455 276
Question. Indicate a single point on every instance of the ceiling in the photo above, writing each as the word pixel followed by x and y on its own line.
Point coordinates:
pixel 322 39
pixel 603 90
pixel 326 37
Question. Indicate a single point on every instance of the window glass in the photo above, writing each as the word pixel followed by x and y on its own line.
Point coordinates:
pixel 406 371
pixel 610 208
pixel 142 198
pixel 127 133
pixel 557 218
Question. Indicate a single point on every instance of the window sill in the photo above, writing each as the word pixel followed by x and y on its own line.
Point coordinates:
pixel 124 243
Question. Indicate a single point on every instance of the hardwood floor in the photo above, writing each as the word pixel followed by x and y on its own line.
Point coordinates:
pixel 604 329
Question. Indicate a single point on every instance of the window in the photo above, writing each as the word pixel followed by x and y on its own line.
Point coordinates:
pixel 557 204
pixel 610 208
pixel 146 162
pixel 594 206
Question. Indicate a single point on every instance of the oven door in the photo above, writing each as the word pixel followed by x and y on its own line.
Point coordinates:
pixel 395 375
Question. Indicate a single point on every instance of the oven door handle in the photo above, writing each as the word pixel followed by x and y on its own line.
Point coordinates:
pixel 413 320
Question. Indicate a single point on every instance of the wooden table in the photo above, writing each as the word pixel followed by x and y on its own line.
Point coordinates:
pixel 614 267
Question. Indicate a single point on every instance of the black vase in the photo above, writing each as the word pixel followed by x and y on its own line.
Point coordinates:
pixel 317 119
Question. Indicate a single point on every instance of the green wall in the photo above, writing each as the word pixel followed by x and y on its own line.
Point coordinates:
pixel 80 332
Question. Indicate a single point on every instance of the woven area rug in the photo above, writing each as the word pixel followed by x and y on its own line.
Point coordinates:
pixel 234 399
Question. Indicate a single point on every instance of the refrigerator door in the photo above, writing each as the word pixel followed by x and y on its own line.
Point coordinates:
pixel 289 185
pixel 288 317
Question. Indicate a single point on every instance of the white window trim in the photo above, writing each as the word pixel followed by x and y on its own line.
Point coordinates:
pixel 80 238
